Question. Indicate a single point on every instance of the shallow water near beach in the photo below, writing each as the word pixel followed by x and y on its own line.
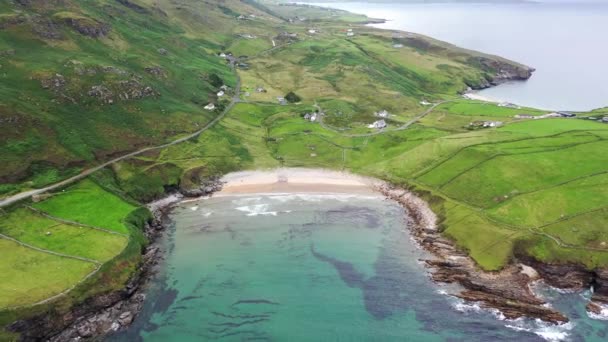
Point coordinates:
pixel 315 267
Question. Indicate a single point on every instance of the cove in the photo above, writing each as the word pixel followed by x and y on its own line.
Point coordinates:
pixel 304 267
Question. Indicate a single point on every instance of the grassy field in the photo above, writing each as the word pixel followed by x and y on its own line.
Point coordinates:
pixel 33 229
pixel 87 203
pixel 498 192
pixel 30 276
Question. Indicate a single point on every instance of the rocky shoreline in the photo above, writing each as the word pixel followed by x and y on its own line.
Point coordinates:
pixel 509 290
pixel 105 314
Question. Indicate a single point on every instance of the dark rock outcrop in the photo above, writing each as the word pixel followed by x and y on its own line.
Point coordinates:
pixel 88 27
pixel 498 71
pixel 206 187
pixel 133 6
pixel 507 291
pixel 156 71
pixel 46 28
pixel 563 276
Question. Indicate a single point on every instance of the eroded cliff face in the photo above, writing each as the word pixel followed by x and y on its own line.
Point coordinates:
pixel 499 71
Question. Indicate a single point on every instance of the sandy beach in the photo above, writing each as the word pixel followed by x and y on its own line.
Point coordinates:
pixel 477 97
pixel 290 180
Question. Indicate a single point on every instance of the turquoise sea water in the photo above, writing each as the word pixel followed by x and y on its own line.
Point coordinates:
pixel 314 268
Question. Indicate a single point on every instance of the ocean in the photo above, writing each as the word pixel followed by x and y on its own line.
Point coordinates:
pixel 316 267
pixel 565 42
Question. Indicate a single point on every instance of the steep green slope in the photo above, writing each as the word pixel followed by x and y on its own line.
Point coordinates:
pixel 83 81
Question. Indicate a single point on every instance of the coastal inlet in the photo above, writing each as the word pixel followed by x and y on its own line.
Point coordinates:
pixel 305 267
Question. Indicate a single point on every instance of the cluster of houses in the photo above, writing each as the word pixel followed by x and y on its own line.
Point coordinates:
pixel 379 124
pixel 508 105
pixel 312 117
pixel 382 114
pixel 248 17
pixel 545 116
pixel 221 92
pixel 247 36
pixel 485 124
pixel 602 119
pixel 296 19
pixel 350 33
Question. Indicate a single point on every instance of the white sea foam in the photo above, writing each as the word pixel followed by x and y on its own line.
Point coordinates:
pixel 602 316
pixel 195 208
pixel 257 209
pixel 463 306
pixel 549 332
pixel 207 214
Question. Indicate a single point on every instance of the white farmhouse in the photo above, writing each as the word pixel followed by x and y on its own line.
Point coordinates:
pixel 378 124
pixel 210 106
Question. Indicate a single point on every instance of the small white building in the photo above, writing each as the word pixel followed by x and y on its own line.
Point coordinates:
pixel 220 93
pixel 210 106
pixel 350 34
pixel 398 46
pixel 312 31
pixel 508 105
pixel 425 103
pixel 605 119
pixel 222 55
pixel 524 116
pixel 382 114
pixel 378 124
pixel 312 117
pixel 492 123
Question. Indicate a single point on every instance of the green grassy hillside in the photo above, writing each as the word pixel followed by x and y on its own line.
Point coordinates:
pixel 85 81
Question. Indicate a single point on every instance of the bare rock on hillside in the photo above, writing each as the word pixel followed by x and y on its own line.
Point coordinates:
pixel 163 51
pixel 134 89
pixel 11 20
pixel 5 53
pixel 125 90
pixel 113 70
pixel 46 28
pixel 102 93
pixel 156 71
pixel 133 6
pixel 55 83
pixel 500 71
pixel 88 27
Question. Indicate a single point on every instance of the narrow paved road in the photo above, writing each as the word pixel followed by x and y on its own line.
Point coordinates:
pixel 26 194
